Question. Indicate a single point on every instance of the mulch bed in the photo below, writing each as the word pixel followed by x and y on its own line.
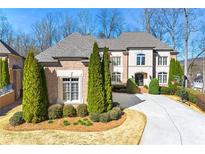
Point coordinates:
pixel 58 125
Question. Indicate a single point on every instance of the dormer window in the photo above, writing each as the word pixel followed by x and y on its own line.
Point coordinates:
pixel 140 59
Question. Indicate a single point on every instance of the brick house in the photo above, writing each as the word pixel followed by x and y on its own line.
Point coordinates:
pixel 136 55
pixel 15 64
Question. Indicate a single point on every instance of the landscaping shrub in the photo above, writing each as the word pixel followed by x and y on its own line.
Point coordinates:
pixel 94 117
pixel 104 117
pixel 165 90
pixel 154 86
pixel 16 119
pixel 192 95
pixel 131 86
pixel 69 111
pixel 50 121
pixel 119 88
pixel 55 111
pixel 114 114
pixel 118 109
pixel 66 123
pixel 82 110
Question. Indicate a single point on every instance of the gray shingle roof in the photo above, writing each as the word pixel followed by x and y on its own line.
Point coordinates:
pixel 6 49
pixel 76 45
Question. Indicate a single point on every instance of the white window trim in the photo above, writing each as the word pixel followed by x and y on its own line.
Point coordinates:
pixel 162 73
pixel 74 74
pixel 120 57
pixel 137 54
pixel 115 74
pixel 162 60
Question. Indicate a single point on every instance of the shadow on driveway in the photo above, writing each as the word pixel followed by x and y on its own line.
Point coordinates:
pixel 126 100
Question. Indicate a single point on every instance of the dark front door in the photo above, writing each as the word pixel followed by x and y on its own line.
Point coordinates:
pixel 139 79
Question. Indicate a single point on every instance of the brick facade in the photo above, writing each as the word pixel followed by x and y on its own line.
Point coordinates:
pixel 54 83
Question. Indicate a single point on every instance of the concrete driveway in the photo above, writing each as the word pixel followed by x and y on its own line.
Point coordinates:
pixel 168 122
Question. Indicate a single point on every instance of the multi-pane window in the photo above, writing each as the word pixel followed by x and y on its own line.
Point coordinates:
pixel 116 61
pixel 116 77
pixel 162 61
pixel 70 89
pixel 162 77
pixel 140 59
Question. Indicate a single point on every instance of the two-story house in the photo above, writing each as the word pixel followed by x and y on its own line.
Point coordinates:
pixel 136 55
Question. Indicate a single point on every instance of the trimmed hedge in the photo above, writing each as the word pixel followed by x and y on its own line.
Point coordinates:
pixel 69 111
pixel 171 90
pixel 82 110
pixel 16 119
pixel 119 88
pixel 55 111
pixel 104 117
pixel 154 86
pixel 131 86
pixel 114 115
pixel 94 117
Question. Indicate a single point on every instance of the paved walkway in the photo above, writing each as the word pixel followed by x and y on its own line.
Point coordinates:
pixel 168 122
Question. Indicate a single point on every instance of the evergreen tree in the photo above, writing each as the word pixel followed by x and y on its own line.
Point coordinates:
pixel 179 71
pixel 34 102
pixel 26 103
pixel 97 92
pixel 5 79
pixel 171 71
pixel 175 71
pixel 107 80
pixel 90 84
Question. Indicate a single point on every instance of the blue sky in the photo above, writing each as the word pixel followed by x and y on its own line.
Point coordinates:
pixel 22 19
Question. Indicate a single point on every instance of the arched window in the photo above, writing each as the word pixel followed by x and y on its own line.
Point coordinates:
pixel 116 77
pixel 162 77
pixel 140 59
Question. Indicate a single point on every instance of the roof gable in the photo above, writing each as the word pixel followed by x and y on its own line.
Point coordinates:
pixel 6 49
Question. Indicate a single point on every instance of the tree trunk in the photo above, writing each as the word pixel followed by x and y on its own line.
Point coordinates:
pixel 186 44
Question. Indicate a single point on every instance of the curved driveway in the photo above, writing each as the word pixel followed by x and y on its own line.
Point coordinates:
pixel 168 122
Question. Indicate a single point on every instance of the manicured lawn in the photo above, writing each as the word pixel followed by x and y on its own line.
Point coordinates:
pixel 129 132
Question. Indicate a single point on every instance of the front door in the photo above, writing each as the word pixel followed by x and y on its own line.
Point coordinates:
pixel 139 79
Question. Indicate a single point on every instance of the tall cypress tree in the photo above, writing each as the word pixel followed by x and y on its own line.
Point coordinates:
pixel 175 70
pixel 97 93
pixel 34 103
pixel 26 103
pixel 90 84
pixel 179 70
pixel 107 80
pixel 5 79
pixel 171 71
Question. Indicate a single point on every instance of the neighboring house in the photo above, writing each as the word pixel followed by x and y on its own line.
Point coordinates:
pixel 136 55
pixel 196 68
pixel 15 64
pixel 198 83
